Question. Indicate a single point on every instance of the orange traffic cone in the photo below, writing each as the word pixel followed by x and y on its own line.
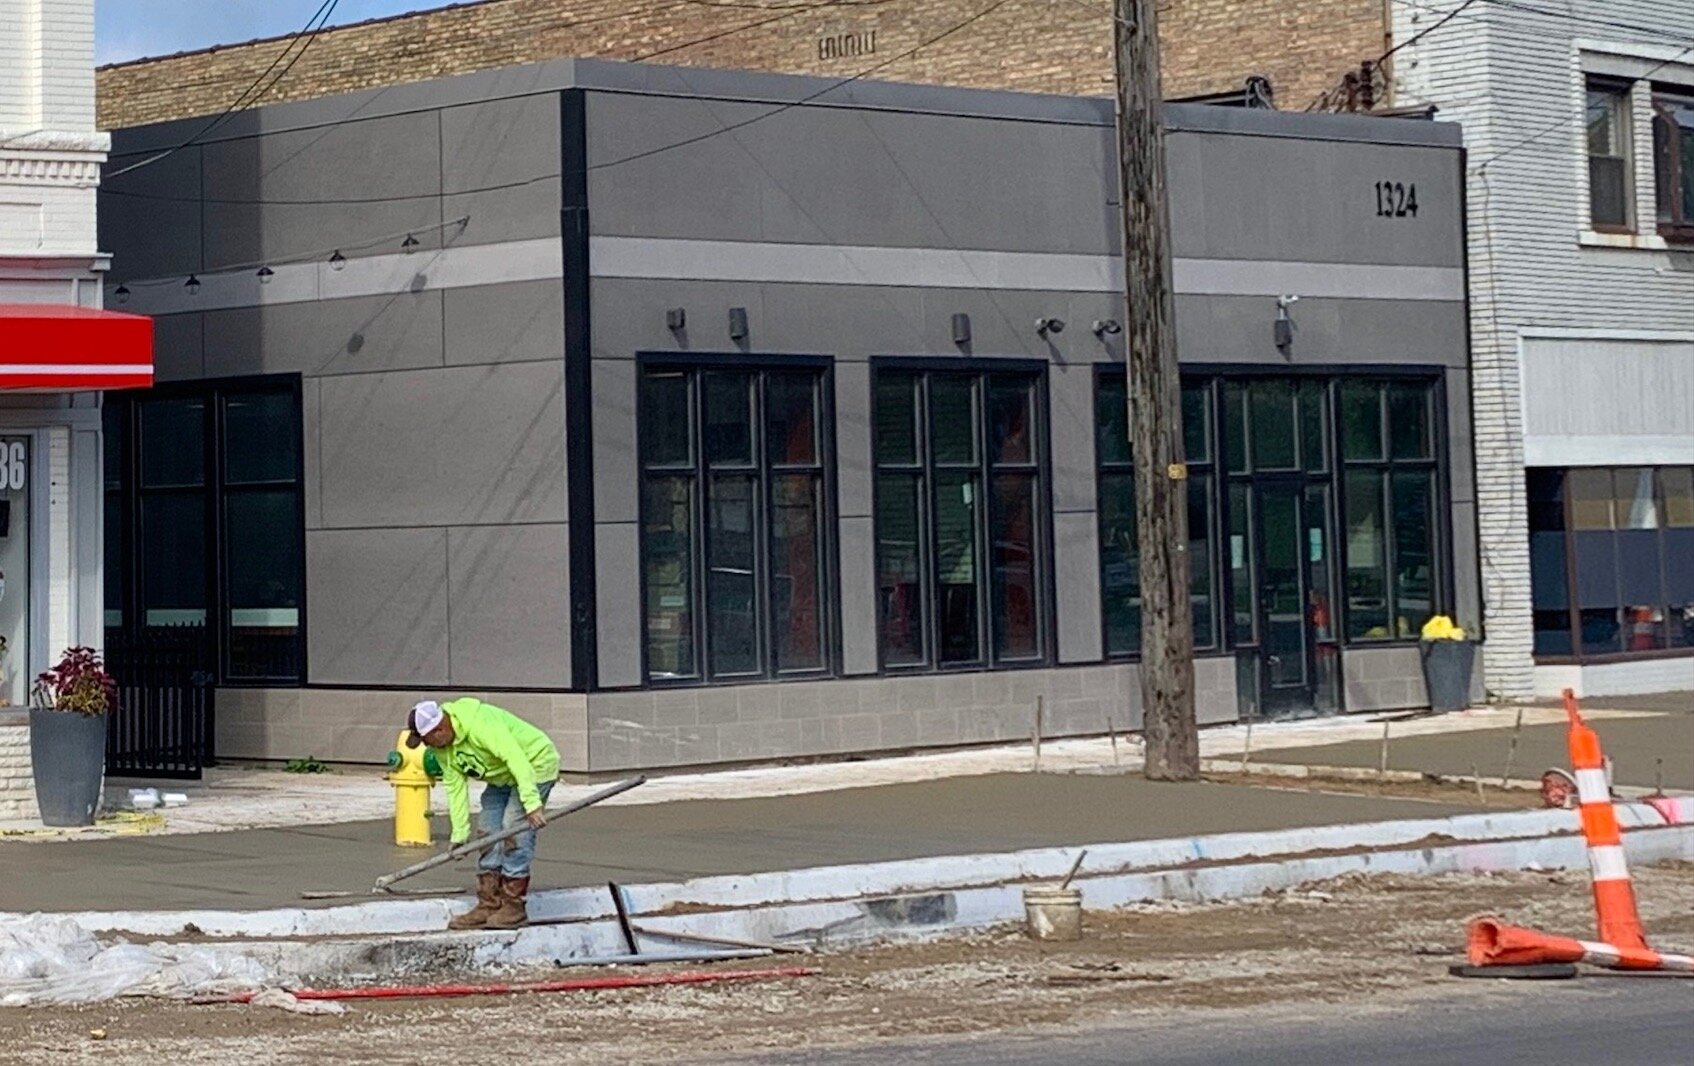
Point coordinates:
pixel 1614 896
pixel 1623 943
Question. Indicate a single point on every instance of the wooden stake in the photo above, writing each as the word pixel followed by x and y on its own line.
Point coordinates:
pixel 1382 759
pixel 1035 732
pixel 1480 798
pixel 1247 746
pixel 1113 735
pixel 1155 402
pixel 1512 751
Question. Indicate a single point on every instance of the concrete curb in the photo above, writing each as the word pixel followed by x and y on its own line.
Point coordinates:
pixel 391 916
pixel 918 914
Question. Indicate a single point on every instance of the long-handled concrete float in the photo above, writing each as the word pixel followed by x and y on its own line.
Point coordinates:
pixel 384 884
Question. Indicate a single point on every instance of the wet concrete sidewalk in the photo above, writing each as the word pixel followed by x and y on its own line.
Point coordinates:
pixel 1641 747
pixel 263 868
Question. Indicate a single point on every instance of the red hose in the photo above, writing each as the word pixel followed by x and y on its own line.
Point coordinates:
pixel 580 984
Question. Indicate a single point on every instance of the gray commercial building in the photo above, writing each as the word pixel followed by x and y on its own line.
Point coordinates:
pixel 709 417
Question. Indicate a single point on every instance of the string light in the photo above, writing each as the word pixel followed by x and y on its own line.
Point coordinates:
pixel 266 271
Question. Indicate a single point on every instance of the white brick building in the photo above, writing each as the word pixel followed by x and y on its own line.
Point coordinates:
pixel 1579 123
pixel 57 351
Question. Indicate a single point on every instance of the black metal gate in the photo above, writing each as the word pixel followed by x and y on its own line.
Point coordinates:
pixel 162 725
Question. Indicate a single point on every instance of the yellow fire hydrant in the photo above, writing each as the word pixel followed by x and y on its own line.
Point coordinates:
pixel 411 771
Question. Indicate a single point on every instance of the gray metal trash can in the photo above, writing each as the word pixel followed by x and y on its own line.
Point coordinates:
pixel 1447 666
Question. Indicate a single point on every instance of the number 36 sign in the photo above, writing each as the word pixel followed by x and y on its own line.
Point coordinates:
pixel 13 468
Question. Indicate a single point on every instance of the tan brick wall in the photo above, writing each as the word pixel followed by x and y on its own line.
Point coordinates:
pixel 1057 46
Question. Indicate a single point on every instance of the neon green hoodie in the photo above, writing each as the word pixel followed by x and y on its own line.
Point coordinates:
pixel 497 747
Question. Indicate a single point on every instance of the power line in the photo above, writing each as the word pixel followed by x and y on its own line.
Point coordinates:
pixel 524 182
pixel 809 97
pixel 1323 97
pixel 1554 127
pixel 320 17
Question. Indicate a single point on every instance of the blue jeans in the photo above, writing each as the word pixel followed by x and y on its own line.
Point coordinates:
pixel 502 809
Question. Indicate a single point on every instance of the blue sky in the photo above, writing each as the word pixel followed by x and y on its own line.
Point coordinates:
pixel 129 29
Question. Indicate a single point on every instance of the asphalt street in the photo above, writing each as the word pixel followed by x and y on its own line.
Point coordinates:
pixel 1599 1020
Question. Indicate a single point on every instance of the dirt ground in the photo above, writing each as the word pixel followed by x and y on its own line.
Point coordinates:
pixel 1387 938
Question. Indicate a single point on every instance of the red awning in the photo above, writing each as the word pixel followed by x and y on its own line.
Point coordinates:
pixel 73 349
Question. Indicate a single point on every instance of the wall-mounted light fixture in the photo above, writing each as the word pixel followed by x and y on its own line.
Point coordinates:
pixel 337 260
pixel 410 244
pixel 1044 326
pixel 1104 326
pixel 738 323
pixel 676 319
pixel 961 328
pixel 265 275
pixel 1282 331
pixel 121 294
pixel 192 284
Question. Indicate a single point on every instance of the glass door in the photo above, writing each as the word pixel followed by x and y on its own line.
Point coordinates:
pixel 1299 665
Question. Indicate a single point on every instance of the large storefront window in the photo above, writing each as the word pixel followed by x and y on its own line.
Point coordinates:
pixel 960 503
pixel 1120 563
pixel 1611 560
pixel 1390 508
pixel 1322 498
pixel 204 522
pixel 735 522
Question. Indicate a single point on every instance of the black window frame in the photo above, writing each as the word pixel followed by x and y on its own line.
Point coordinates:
pixel 1568 577
pixel 1112 375
pixel 1215 380
pixel 695 366
pixel 214 490
pixel 926 371
pixel 1439 531
pixel 1673 184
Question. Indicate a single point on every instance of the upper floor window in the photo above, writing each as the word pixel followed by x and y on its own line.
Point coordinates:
pixel 1673 162
pixel 961 526
pixel 735 522
pixel 1609 180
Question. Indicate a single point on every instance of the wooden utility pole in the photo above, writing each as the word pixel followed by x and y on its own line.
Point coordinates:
pixel 1155 402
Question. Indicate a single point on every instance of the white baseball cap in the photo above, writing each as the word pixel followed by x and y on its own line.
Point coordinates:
pixel 424 718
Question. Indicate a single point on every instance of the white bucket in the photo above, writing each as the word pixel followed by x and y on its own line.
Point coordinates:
pixel 1053 913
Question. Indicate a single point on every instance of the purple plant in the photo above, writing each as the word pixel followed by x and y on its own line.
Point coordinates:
pixel 79 684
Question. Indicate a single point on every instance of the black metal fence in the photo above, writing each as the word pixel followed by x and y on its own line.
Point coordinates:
pixel 162 725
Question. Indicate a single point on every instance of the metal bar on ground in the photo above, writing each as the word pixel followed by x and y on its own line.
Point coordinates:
pixel 621 905
pixel 723 941
pixel 471 847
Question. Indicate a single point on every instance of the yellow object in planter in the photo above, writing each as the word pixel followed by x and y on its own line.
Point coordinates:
pixel 1441 627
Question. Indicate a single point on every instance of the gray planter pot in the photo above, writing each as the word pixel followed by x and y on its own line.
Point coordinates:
pixel 1447 666
pixel 68 754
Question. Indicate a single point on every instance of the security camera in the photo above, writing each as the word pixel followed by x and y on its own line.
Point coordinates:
pixel 1283 303
pixel 1045 326
pixel 1103 326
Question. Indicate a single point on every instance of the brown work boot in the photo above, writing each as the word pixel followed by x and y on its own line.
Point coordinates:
pixel 487 902
pixel 512 913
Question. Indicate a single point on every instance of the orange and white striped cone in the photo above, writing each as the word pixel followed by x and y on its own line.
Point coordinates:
pixel 1614 897
pixel 1623 943
pixel 1491 942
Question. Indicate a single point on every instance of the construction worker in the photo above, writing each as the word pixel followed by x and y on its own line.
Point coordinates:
pixel 517 765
